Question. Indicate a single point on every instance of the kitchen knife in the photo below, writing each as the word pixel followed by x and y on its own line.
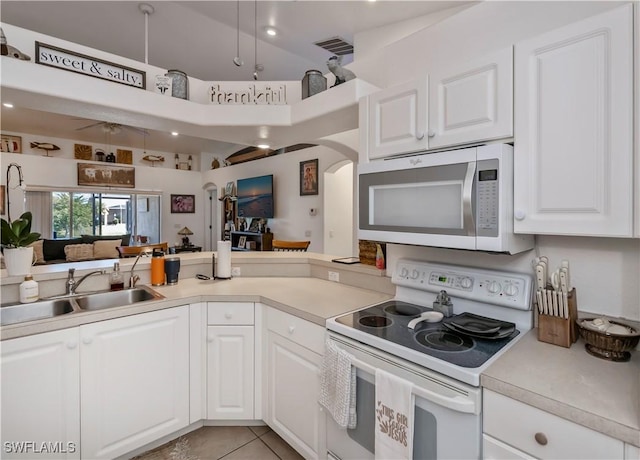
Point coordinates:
pixel 539 298
pixel 554 300
pixel 549 301
pixel 564 285
pixel 565 264
pixel 565 300
pixel 545 273
pixel 540 279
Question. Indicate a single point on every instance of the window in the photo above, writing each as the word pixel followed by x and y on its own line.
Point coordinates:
pixel 69 214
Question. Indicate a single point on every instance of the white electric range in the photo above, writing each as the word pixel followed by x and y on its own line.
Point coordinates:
pixel 491 311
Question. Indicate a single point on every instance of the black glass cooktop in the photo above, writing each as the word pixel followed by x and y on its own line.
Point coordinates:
pixel 465 340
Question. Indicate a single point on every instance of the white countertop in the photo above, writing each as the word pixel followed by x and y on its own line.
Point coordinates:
pixel 572 384
pixel 311 299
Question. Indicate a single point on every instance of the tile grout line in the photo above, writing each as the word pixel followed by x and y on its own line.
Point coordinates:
pixel 240 447
pixel 269 447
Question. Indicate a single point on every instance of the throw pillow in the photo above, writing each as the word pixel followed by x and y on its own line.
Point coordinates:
pixel 107 249
pixel 54 249
pixel 38 251
pixel 78 252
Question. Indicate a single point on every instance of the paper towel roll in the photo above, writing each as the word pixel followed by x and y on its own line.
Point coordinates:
pixel 224 260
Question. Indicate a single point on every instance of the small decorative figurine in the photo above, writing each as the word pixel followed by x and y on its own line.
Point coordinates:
pixel 342 74
pixel 46 146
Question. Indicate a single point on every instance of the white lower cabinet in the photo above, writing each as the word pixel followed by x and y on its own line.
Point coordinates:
pixel 294 348
pixel 230 372
pixel 230 361
pixel 135 381
pixel 41 396
pixel 516 430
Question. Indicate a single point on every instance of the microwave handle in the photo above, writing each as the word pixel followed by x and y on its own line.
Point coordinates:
pixel 467 195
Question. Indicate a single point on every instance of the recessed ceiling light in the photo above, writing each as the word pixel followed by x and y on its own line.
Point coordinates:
pixel 8 105
pixel 271 31
pixel 263 146
pixel 174 133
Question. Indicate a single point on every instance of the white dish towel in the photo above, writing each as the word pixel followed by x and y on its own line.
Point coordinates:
pixel 338 385
pixel 394 417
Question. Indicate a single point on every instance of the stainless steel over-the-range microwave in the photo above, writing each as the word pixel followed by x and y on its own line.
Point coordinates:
pixel 460 199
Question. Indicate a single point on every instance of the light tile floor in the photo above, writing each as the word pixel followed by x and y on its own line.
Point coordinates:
pixel 225 442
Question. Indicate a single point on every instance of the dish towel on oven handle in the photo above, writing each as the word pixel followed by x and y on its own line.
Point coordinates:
pixel 338 385
pixel 394 417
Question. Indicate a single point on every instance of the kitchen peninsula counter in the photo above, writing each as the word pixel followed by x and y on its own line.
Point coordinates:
pixel 308 298
pixel 572 384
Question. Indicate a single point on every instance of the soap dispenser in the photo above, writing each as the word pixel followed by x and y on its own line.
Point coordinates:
pixel 116 279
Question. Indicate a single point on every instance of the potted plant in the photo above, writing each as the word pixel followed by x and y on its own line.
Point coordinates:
pixel 16 238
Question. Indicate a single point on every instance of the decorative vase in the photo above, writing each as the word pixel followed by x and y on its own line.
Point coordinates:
pixel 18 260
pixel 313 83
pixel 179 83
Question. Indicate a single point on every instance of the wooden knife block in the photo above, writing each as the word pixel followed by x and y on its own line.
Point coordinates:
pixel 560 331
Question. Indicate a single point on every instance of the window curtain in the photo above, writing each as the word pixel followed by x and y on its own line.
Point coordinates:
pixel 40 205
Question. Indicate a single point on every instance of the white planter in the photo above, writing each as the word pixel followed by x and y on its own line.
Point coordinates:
pixel 18 260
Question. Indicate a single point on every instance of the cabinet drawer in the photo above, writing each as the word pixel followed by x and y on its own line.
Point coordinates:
pixel 236 313
pixel 298 330
pixel 542 434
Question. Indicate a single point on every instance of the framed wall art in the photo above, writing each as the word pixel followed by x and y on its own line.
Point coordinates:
pixel 106 175
pixel 11 144
pixel 183 203
pixel 309 177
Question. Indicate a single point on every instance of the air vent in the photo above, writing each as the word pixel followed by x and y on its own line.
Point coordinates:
pixel 336 45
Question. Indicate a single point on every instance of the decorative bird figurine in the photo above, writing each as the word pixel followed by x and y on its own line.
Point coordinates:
pixel 46 146
pixel 342 74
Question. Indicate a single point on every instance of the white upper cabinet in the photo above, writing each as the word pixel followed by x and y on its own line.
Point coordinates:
pixel 573 160
pixel 472 101
pixel 397 119
pixel 467 102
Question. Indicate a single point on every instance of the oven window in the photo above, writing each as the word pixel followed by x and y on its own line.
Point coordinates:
pixel 424 437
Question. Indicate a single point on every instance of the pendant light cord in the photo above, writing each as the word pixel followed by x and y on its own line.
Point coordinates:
pixel 255 37
pixel 238 28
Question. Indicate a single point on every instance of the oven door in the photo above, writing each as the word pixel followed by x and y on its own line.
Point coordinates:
pixel 446 417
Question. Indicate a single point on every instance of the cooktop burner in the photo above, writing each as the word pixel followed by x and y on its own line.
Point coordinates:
pixel 389 321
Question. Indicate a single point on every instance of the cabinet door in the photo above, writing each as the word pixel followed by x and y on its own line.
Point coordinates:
pixel 230 373
pixel 135 381
pixel 573 156
pixel 293 388
pixel 41 396
pixel 398 119
pixel 472 101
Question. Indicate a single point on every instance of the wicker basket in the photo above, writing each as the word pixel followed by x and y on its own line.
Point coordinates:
pixel 605 345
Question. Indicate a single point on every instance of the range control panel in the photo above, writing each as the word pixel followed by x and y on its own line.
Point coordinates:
pixel 497 287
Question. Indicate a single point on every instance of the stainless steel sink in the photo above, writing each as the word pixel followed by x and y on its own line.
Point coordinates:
pixel 102 300
pixel 20 313
pixel 13 314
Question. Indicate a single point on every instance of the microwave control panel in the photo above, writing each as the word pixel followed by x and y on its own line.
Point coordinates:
pixel 487 198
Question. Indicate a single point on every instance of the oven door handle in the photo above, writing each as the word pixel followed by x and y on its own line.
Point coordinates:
pixel 457 403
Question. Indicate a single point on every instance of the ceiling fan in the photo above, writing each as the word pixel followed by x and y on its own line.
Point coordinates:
pixel 113 128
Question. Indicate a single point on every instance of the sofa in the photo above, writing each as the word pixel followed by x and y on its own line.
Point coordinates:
pixel 86 247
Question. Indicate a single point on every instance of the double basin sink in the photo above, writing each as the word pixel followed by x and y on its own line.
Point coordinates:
pixel 20 313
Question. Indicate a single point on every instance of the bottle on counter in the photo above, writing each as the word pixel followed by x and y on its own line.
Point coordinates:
pixel 157 268
pixel 379 257
pixel 29 291
pixel 116 279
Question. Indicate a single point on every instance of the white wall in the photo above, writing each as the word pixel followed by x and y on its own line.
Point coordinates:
pixel 340 210
pixel 292 219
pixel 60 170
